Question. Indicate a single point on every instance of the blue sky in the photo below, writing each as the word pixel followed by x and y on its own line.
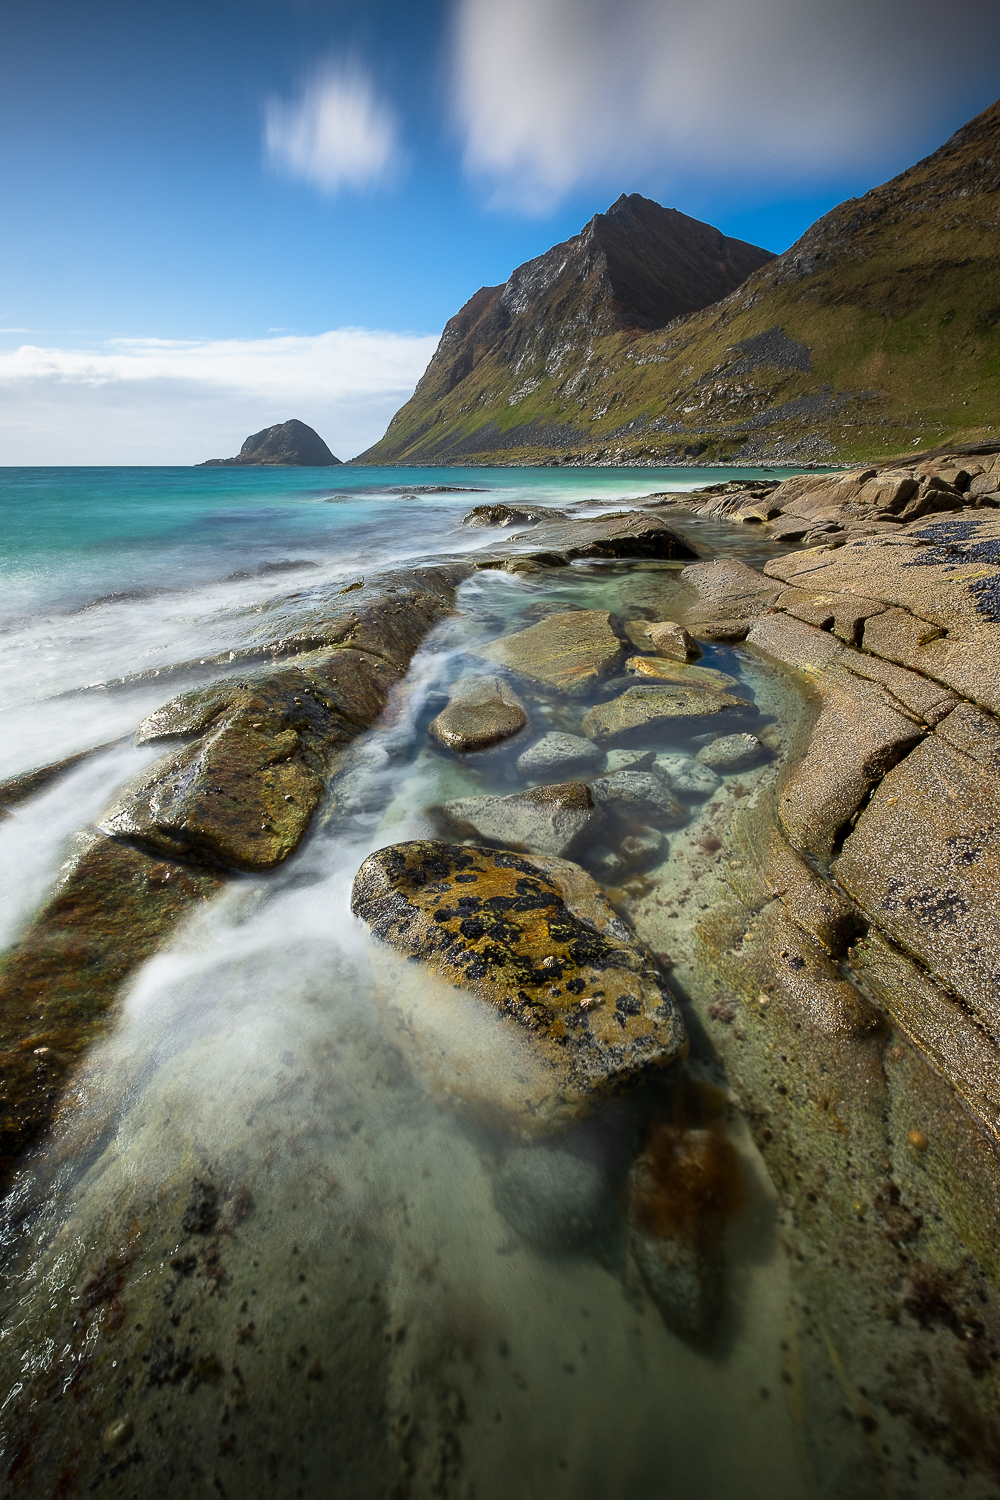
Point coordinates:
pixel 214 210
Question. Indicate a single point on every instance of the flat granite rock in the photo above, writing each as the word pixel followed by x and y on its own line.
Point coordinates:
pixel 641 708
pixel 533 1000
pixel 923 864
pixel 557 820
pixel 658 670
pixel 482 711
pixel 569 651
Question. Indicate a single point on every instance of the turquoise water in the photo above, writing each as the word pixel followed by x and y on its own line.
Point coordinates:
pixel 70 536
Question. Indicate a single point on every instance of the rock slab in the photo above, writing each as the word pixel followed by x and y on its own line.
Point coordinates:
pixel 643 708
pixel 570 651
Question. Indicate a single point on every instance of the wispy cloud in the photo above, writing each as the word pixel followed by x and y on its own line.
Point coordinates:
pixel 337 133
pixel 554 93
pixel 159 401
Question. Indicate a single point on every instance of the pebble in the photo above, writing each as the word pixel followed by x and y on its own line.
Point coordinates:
pixel 917 1140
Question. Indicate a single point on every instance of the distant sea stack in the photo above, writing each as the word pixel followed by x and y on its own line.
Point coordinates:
pixel 877 333
pixel 289 444
pixel 512 348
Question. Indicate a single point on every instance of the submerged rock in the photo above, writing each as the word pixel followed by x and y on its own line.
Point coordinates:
pixel 685 775
pixel 482 711
pixel 665 637
pixel 731 752
pixel 639 794
pixel 556 820
pixel 668 671
pixel 545 1001
pixel 550 1197
pixel 560 752
pixel 642 708
pixel 569 651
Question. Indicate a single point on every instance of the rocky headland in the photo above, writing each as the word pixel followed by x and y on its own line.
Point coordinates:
pixel 288 444
pixel 878 329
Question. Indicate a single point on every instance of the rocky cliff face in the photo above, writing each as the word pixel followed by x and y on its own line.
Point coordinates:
pixel 636 268
pixel 288 444
pixel 877 332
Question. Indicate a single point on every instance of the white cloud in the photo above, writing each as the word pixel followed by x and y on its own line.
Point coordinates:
pixel 554 93
pixel 336 134
pixel 158 401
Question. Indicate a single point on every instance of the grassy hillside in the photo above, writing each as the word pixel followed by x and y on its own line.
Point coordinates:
pixel 877 332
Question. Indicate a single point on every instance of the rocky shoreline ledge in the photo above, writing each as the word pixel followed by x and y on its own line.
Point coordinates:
pixel 838 985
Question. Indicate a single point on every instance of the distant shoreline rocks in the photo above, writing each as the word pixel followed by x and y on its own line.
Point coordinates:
pixel 288 445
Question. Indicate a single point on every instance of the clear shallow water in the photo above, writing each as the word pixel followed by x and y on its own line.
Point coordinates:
pixel 413 1302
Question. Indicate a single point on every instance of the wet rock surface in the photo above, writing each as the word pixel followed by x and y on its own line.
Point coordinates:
pixel 536 941
pixel 639 708
pixel 569 651
pixel 731 752
pixel 665 637
pixel 560 819
pixel 557 752
pixel 482 711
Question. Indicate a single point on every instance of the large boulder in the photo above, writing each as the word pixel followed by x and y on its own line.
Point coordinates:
pixel 544 1001
pixel 570 651
pixel 559 820
pixel 482 711
pixel 641 709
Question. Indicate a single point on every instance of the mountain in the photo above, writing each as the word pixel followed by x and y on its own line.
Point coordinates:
pixel 289 443
pixel 636 268
pixel 878 332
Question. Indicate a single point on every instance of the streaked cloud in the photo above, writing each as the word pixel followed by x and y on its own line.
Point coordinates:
pixel 158 401
pixel 552 94
pixel 336 134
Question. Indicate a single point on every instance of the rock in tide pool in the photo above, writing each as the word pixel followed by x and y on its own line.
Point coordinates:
pixel 531 1000
pixel 684 775
pixel 659 670
pixel 557 752
pixel 732 752
pixel 555 820
pixel 482 711
pixel 641 795
pixel 665 637
pixel 570 651
pixel 642 708
pixel 550 1197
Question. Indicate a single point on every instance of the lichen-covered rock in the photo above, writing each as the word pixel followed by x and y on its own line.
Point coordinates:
pixel 665 637
pixel 559 820
pixel 643 708
pixel 570 651
pixel 570 1006
pixel 563 753
pixel 661 670
pixel 731 752
pixel 482 711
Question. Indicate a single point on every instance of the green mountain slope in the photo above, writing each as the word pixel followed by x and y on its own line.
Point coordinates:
pixel 877 332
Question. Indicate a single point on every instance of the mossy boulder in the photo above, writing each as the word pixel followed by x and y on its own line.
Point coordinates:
pixel 481 712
